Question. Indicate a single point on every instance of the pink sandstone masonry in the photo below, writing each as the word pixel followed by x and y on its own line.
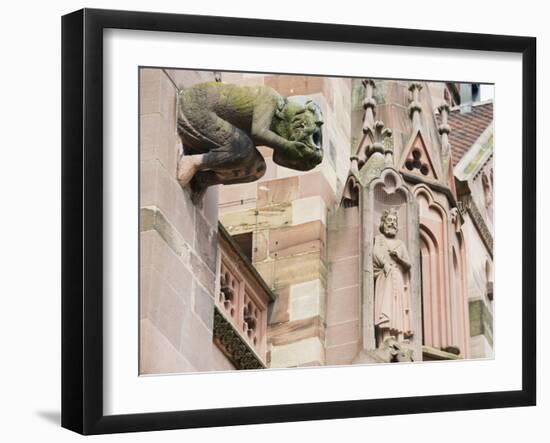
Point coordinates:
pixel 178 241
pixel 308 258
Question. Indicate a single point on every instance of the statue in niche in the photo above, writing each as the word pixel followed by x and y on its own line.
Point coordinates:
pixel 391 265
pixel 221 124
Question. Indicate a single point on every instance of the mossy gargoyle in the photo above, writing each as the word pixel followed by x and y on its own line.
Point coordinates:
pixel 221 124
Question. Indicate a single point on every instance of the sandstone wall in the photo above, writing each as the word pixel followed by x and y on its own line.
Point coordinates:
pixel 178 241
pixel 286 214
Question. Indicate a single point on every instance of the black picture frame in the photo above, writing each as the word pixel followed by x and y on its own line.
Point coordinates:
pixel 82 220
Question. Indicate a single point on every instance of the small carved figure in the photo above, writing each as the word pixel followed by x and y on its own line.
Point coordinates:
pixel 391 265
pixel 221 124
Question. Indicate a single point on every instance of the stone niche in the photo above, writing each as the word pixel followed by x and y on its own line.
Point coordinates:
pixel 388 192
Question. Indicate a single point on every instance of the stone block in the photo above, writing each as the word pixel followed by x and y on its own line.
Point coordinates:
pixel 302 238
pixel 344 243
pixel 301 248
pixel 276 191
pixel 149 132
pixel 147 182
pixel 344 272
pixel 283 172
pixel 278 310
pixel 288 85
pixel 166 308
pixel 295 331
pixel 184 216
pixel 144 290
pixel 168 98
pixel 210 204
pixel 149 90
pixel 171 268
pixel 231 196
pixel 160 189
pixel 204 306
pixel 266 269
pixel 481 320
pixel 198 348
pixel 202 272
pixel 291 270
pixel 157 355
pixel 309 209
pixel 344 218
pixel 185 78
pixel 158 140
pixel 342 355
pixel 206 243
pixel 219 361
pixel 310 364
pixel 157 93
pixel 260 245
pixel 146 246
pixel 343 305
pixel 295 354
pixel 252 220
pixel 343 333
pixel 152 219
pixel 244 79
pixel 315 184
pixel 479 347
pixel 306 300
pixel 196 342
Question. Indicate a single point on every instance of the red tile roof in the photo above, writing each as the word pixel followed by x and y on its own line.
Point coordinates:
pixel 466 128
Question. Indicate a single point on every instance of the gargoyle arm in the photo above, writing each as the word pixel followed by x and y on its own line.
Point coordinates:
pixel 261 124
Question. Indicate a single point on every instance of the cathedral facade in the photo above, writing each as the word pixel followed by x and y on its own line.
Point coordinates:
pixel 382 253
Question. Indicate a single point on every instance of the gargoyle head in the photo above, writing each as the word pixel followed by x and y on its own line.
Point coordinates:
pixel 299 119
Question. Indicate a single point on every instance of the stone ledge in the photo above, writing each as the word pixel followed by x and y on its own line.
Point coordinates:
pixel 151 218
pixel 429 353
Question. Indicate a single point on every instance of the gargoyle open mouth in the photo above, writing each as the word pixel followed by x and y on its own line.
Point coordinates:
pixel 311 137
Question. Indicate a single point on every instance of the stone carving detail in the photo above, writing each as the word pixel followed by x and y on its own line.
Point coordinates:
pixel 454 215
pixel 479 222
pixel 221 124
pixel 390 351
pixel 487 190
pixel 444 130
pixel 377 140
pixel 369 105
pixel 416 162
pixel 414 104
pixel 233 345
pixel 391 263
pixel 376 136
pixel 350 197
pixel 227 292
pixel 251 319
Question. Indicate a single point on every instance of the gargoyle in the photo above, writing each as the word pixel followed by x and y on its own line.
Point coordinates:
pixel 221 124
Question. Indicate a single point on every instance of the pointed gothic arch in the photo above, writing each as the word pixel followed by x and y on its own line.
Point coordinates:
pixel 434 247
pixel 443 280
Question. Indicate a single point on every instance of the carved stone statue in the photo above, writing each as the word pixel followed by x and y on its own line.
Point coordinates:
pixel 221 124
pixel 391 265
